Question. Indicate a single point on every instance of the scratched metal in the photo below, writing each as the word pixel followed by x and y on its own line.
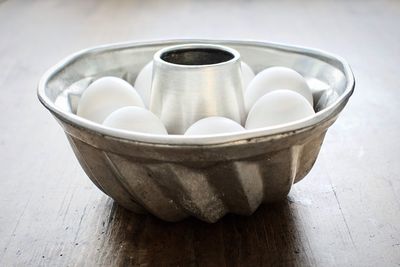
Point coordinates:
pixel 174 176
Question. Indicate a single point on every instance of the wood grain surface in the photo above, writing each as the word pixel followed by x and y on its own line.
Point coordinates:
pixel 345 213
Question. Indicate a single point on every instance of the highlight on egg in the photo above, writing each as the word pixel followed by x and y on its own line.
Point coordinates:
pixel 214 125
pixel 135 119
pixel 278 107
pixel 143 83
pixel 276 78
pixel 106 95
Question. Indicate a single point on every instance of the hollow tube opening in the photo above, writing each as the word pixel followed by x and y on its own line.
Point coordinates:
pixel 196 56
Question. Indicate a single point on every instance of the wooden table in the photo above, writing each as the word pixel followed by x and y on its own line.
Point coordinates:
pixel 345 213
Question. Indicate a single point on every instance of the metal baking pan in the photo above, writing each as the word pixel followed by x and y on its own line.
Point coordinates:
pixel 175 176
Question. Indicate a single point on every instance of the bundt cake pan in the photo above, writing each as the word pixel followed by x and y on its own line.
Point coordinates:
pixel 173 176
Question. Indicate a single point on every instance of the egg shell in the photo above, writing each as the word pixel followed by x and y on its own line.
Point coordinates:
pixel 247 75
pixel 135 119
pixel 276 78
pixel 143 83
pixel 106 95
pixel 214 125
pixel 278 107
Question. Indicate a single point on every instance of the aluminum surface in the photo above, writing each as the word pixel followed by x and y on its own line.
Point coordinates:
pixel 185 92
pixel 175 176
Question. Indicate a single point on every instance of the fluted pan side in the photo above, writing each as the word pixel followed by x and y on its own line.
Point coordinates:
pixel 96 168
pixel 239 184
pixel 136 179
pixel 309 154
pixel 173 191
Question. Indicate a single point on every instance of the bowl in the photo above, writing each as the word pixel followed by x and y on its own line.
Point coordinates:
pixel 175 176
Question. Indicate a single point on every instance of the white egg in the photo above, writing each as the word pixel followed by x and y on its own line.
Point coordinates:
pixel 106 95
pixel 143 83
pixel 278 107
pixel 214 125
pixel 135 119
pixel 247 75
pixel 276 78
